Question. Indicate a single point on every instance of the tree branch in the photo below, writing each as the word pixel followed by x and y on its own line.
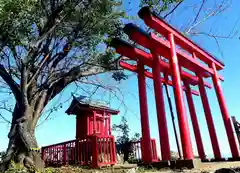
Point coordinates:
pixel 24 78
pixel 199 11
pixel 38 108
pixel 213 35
pixel 220 8
pixel 4 119
pixel 39 69
pixel 53 21
pixel 178 4
pixel 11 83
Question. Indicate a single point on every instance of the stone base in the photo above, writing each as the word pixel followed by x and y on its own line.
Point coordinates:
pixel 205 160
pixel 218 160
pixel 233 159
pixel 160 164
pixel 175 164
pixel 189 164
pixel 226 170
pixel 124 166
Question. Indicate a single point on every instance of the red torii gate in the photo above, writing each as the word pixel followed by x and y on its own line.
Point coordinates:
pixel 190 65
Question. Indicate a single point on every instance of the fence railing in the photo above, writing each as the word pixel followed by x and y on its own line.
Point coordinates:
pixel 106 150
pixel 94 151
pixel 137 151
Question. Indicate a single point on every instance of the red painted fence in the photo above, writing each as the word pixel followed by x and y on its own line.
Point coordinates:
pixel 94 151
pixel 137 150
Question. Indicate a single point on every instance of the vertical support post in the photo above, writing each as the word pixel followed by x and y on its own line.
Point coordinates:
pixel 77 136
pixel 209 119
pixel 111 149
pixel 88 125
pixel 236 127
pixel 182 118
pixel 172 114
pixel 94 122
pixel 106 125
pixel 161 115
pixel 154 150
pixel 76 152
pixel 95 151
pixel 225 114
pixel 64 154
pixel 105 139
pixel 109 121
pixel 195 125
pixel 43 153
pixel 114 150
pixel 147 150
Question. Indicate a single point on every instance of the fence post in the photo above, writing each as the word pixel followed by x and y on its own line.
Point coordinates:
pixel 76 161
pixel 154 150
pixel 94 151
pixel 64 154
pixel 114 150
pixel 142 148
pixel 43 153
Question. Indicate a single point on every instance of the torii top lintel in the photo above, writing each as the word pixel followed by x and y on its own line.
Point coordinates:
pixel 152 20
pixel 162 46
pixel 126 49
pixel 191 56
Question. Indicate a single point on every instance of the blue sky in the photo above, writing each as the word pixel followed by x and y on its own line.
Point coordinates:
pixel 61 127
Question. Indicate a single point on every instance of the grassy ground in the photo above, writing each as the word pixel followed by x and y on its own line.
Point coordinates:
pixel 205 168
pixel 138 170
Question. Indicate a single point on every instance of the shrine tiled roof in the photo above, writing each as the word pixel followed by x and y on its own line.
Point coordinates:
pixel 83 102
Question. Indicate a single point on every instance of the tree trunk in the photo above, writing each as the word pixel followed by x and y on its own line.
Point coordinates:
pixel 22 144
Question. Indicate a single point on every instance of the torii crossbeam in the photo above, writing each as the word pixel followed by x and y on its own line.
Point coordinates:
pixel 172 54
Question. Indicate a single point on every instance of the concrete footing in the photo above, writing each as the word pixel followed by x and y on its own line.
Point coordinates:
pixel 233 159
pixel 161 164
pixel 221 160
pixel 195 164
pixel 189 164
pixel 205 160
pixel 175 164
pixel 218 160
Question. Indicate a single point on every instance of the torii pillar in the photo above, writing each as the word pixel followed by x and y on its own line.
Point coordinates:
pixel 182 118
pixel 146 138
pixel 225 114
pixel 195 124
pixel 209 119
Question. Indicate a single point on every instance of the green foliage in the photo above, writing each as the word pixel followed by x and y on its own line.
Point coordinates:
pixel 16 20
pixel 106 58
pixel 144 169
pixel 71 169
pixel 51 170
pixel 16 168
pixel 83 25
pixel 19 168
pixel 2 153
pixel 159 6
pixel 136 137
pixel 119 75
pixel 124 130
